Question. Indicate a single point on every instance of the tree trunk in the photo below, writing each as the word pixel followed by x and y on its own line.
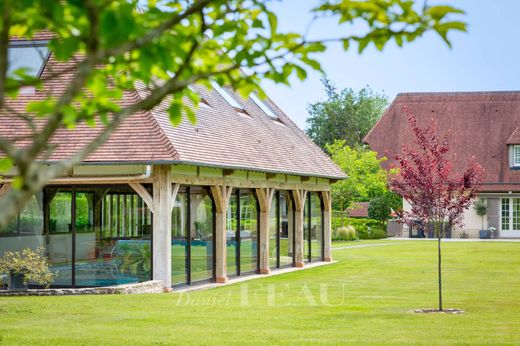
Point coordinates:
pixel 439 236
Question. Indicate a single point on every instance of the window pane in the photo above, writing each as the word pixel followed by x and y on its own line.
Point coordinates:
pixel 306 229
pixel 25 230
pixel 516 214
pixel 316 226
pixel 248 231
pixel 180 239
pixel 286 237
pixel 104 256
pixel 231 239
pixel 59 248
pixel 505 214
pixel 273 229
pixel 516 155
pixel 30 58
pixel 201 234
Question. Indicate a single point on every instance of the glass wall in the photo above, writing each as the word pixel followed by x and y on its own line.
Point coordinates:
pixel 93 236
pixel 281 230
pixel 313 227
pixel 242 233
pixel 193 229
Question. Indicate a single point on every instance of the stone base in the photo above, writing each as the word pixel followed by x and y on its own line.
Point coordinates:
pixel 222 280
pixel 167 289
pixel 299 264
pixel 327 259
pixel 154 286
pixel 265 271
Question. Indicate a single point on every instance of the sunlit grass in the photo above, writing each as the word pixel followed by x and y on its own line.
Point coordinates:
pixel 368 296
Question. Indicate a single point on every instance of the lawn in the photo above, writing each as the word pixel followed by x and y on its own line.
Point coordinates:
pixel 368 296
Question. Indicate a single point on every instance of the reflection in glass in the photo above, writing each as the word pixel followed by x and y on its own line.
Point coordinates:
pixel 316 227
pixel 59 235
pixel 201 234
pixel 248 232
pixel 113 237
pixel 274 215
pixel 31 58
pixel 231 235
pixel 286 230
pixel 180 239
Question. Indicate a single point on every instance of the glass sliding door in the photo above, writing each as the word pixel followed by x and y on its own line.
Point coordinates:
pixel 242 233
pixel 274 221
pixel 281 230
pixel 113 233
pixel 193 236
pixel 180 238
pixel 313 227
pixel 59 239
pixel 510 217
pixel 232 235
pixel 24 230
pixel 286 230
pixel 202 223
pixel 248 235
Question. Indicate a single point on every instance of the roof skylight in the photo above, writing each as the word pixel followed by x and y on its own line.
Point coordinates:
pixel 30 55
pixel 262 106
pixel 227 96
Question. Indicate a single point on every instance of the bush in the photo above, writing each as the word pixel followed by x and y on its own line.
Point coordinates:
pixel 361 226
pixel 347 233
pixel 33 265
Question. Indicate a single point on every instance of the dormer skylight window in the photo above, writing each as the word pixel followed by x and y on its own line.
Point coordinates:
pixel 263 106
pixel 30 55
pixel 227 97
pixel 516 155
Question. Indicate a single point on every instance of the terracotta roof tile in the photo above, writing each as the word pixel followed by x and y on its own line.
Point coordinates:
pixel 482 124
pixel 221 137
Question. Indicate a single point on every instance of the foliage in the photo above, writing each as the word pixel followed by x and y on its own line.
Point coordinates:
pixel 480 207
pixel 366 178
pixel 426 179
pixel 380 208
pixel 345 233
pixel 136 260
pixel 365 228
pixel 162 47
pixel 345 115
pixel 32 264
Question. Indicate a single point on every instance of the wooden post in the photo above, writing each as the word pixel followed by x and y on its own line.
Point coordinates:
pixel 299 206
pixel 162 224
pixel 221 195
pixel 265 197
pixel 327 226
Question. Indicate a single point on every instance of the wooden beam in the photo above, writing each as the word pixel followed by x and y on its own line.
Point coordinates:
pixel 144 194
pixel 175 191
pixel 305 178
pixel 326 200
pixel 221 195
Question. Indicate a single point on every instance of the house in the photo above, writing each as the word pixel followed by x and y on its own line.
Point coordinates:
pixel 185 204
pixel 485 125
pixel 358 210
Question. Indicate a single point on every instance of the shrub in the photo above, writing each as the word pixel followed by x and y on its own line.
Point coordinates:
pixel 347 233
pixel 32 264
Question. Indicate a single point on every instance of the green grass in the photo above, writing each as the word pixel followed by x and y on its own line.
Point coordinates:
pixel 382 285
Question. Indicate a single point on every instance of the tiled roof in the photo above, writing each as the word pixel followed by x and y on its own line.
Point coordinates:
pixel 358 209
pixel 221 138
pixel 480 124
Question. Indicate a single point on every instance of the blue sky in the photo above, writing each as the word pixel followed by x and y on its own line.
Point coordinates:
pixel 485 58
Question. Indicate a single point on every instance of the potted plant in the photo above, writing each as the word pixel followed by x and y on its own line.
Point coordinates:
pixel 26 266
pixel 480 207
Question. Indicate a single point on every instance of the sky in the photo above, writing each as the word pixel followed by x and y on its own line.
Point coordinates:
pixel 486 58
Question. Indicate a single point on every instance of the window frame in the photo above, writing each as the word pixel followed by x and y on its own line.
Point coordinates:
pixel 264 107
pixel 516 149
pixel 33 44
pixel 228 97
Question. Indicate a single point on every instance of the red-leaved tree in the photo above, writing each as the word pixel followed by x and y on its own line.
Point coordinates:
pixel 426 179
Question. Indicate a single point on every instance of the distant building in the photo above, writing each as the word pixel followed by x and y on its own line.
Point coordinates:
pixel 485 125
